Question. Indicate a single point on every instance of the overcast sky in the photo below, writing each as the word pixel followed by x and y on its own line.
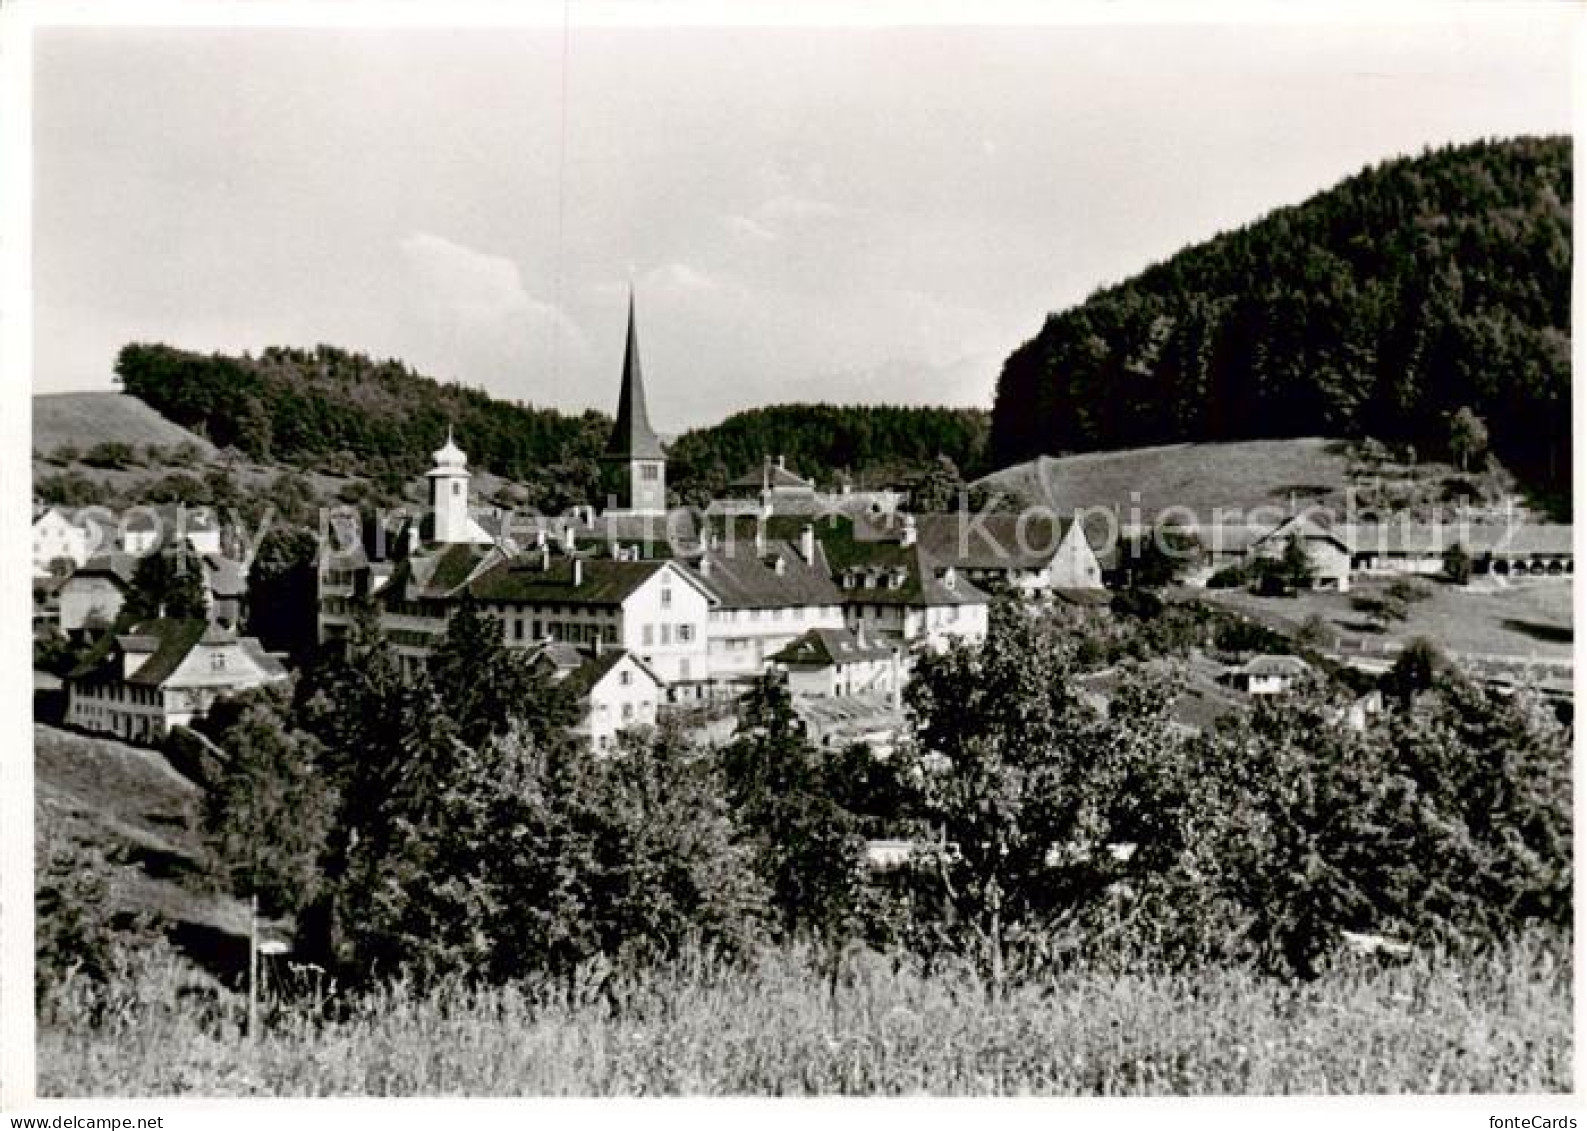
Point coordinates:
pixel 845 215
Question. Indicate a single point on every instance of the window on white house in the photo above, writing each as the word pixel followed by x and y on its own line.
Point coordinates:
pixel 649 471
pixel 626 678
pixel 685 633
pixel 666 598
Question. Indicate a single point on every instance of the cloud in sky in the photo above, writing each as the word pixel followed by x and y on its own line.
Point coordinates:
pixel 472 315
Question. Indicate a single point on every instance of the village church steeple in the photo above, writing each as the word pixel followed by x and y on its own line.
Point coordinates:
pixel 635 465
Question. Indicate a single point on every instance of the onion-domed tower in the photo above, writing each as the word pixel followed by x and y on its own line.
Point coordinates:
pixel 449 493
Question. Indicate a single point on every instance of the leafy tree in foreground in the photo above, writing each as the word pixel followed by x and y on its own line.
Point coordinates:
pixel 806 846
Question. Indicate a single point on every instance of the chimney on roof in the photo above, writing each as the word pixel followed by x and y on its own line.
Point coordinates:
pixel 782 463
pixel 807 544
pixel 570 539
pixel 705 566
pixel 779 565
pixel 545 558
pixel 906 534
pixel 578 572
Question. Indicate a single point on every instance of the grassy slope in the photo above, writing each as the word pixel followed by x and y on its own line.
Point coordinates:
pixel 1199 476
pixel 1500 1024
pixel 86 419
pixel 132 804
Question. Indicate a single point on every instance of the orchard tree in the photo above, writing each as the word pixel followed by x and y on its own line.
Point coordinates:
pixel 1005 742
pixel 1468 436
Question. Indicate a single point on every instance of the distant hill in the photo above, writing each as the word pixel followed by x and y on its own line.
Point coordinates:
pixel 82 420
pixel 1376 308
pixel 378 416
pixel 820 439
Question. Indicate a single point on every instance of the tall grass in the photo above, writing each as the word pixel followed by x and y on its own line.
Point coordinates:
pixel 1495 1024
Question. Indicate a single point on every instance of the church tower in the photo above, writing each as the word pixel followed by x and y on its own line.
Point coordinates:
pixel 449 493
pixel 634 466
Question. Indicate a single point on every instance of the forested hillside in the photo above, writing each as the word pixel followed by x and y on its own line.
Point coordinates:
pixel 1380 307
pixel 339 410
pixel 818 439
pixel 299 405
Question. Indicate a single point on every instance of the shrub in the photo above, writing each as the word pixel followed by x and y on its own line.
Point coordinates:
pixel 109 454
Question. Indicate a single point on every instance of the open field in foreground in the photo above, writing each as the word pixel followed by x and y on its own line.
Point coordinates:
pixel 1501 1024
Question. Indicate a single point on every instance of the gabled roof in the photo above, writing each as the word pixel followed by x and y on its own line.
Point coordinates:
pixel 740 578
pixel 632 437
pixel 1307 528
pixel 771 475
pixel 830 647
pixel 115 565
pixel 1268 666
pixel 526 580
pixel 991 541
pixel 862 548
pixel 596 668
pixel 166 642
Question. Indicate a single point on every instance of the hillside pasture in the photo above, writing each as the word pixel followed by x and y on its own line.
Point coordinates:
pixel 1529 620
pixel 82 420
pixel 1141 483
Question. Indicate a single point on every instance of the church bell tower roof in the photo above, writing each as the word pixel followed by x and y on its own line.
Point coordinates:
pixel 632 437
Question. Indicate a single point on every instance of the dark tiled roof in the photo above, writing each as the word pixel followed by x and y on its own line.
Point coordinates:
pixel 742 579
pixel 167 643
pixel 825 647
pixel 116 565
pixel 524 580
pixel 596 668
pixel 774 475
pixel 991 541
pixel 872 550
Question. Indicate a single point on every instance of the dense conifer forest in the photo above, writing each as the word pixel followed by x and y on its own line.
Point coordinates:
pixel 1380 307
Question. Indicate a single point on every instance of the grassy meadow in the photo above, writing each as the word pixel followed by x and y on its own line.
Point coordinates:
pixel 1500 1024
pixel 1530 619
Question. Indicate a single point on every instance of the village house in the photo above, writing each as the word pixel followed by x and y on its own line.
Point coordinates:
pixel 773 483
pixel 1268 675
pixel 63 541
pixel 95 593
pixel 145 529
pixel 615 690
pixel 768 592
pixel 893 592
pixel 162 674
pixel 1226 546
pixel 836 662
pixel 655 610
pixel 1032 553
